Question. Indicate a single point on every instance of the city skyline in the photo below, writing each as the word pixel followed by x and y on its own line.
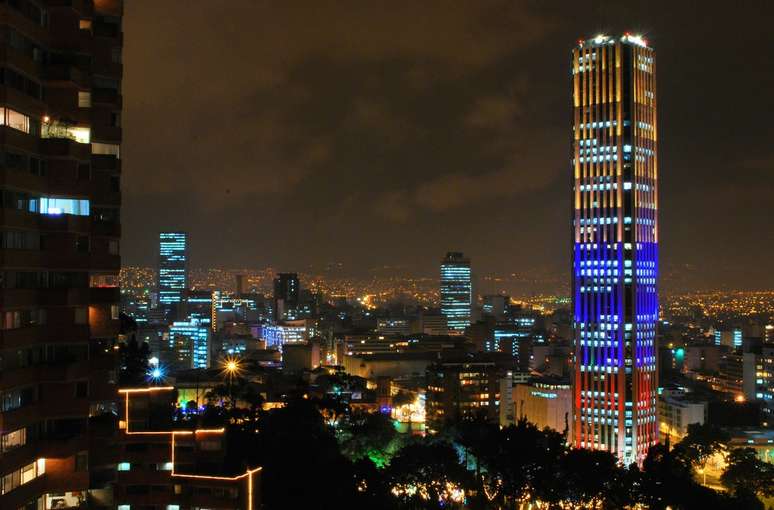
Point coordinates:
pixel 317 255
pixel 456 145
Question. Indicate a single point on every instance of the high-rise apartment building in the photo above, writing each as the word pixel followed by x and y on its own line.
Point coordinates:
pixel 173 273
pixel 456 291
pixel 286 296
pixel 60 134
pixel 615 245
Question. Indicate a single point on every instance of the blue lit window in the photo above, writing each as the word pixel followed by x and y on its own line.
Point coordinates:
pixel 124 466
pixel 57 206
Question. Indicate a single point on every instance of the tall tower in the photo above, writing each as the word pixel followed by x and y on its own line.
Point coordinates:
pixel 456 291
pixel 60 138
pixel 615 245
pixel 286 296
pixel 173 273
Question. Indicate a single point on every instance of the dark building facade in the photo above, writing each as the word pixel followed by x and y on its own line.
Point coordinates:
pixel 286 296
pixel 60 137
pixel 615 245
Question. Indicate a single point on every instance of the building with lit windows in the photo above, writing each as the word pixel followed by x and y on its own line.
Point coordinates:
pixel 393 326
pixel 676 411
pixel 545 402
pixel 496 305
pixel 281 334
pixel 465 387
pixel 731 338
pixel 60 133
pixel 456 291
pixel 200 306
pixel 188 345
pixel 615 245
pixel 758 377
pixel 173 273
pixel 768 334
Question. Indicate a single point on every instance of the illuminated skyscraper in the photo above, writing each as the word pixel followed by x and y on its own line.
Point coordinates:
pixel 456 291
pixel 173 272
pixel 615 245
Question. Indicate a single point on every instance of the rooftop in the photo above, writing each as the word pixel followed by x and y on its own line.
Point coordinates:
pixel 602 39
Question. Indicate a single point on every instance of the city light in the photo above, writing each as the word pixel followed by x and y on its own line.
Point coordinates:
pixel 231 367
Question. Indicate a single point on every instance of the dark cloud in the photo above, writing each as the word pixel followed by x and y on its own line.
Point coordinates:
pixel 372 133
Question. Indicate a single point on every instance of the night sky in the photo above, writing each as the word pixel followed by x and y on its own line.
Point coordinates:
pixel 387 133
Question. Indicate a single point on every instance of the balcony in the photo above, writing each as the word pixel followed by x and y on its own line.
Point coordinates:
pixel 105 162
pixel 21 179
pixel 65 148
pixel 107 229
pixel 110 68
pixel 106 96
pixel 105 295
pixel 14 17
pixel 21 417
pixel 107 134
pixel 35 374
pixel 22 102
pixel 44 297
pixel 66 73
pixel 83 7
pixel 20 139
pixel 19 60
pixel 21 495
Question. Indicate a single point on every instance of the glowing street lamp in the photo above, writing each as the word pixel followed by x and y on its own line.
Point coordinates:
pixel 156 374
pixel 231 367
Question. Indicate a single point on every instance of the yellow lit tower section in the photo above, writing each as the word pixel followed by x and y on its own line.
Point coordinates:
pixel 615 245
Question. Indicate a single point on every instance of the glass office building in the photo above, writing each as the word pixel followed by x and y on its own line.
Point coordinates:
pixel 189 344
pixel 456 291
pixel 173 272
pixel 615 245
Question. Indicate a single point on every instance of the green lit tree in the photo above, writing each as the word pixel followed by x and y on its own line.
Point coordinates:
pixel 370 435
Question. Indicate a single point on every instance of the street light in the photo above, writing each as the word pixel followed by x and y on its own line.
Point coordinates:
pixel 231 367
pixel 156 374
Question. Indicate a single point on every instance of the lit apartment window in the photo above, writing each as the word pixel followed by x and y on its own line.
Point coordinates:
pixel 106 149
pixel 85 24
pixel 14 439
pixel 58 130
pixel 55 206
pixel 14 119
pixel 84 99
pixel 25 474
pixel 124 466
